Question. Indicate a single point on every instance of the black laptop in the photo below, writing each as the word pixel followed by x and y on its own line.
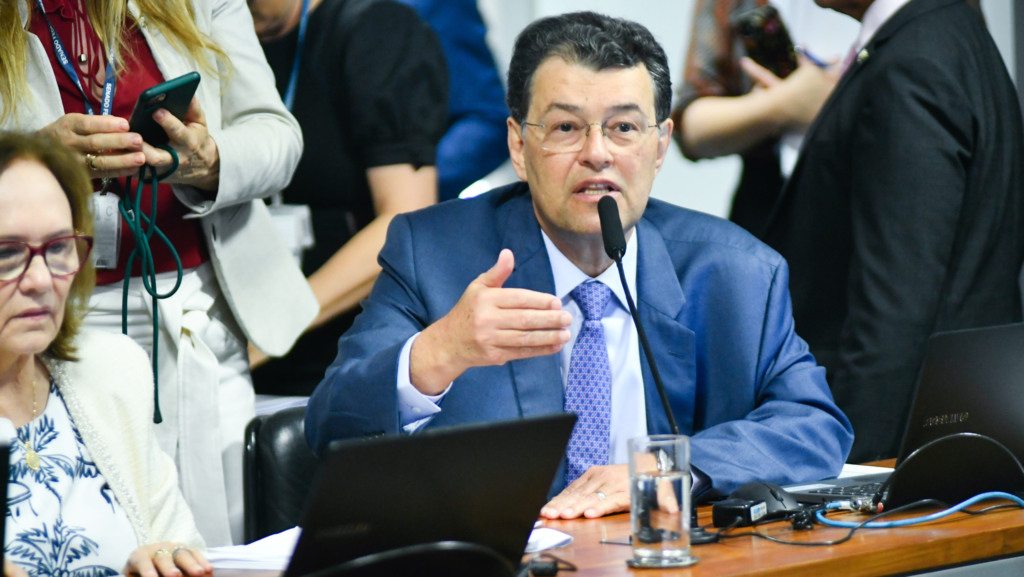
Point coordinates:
pixel 964 435
pixel 467 494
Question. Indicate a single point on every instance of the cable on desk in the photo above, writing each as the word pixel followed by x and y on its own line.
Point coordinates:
pixel 847 537
pixel 820 514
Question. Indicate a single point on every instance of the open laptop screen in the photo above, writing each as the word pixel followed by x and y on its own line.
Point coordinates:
pixel 479 484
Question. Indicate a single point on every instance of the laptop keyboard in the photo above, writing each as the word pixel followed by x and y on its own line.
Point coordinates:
pixel 865 490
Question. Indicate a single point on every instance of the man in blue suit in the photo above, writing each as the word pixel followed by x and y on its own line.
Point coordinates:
pixel 474 316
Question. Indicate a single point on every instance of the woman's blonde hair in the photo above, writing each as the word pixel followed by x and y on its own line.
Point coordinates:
pixel 67 168
pixel 175 19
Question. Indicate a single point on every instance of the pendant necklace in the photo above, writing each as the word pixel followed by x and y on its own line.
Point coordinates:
pixel 31 456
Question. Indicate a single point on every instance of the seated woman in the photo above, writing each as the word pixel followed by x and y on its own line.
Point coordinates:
pixel 90 490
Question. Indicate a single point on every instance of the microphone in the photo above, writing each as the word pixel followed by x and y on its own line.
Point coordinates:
pixel 615 245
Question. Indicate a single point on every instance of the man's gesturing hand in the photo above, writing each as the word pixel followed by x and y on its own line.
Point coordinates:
pixel 490 325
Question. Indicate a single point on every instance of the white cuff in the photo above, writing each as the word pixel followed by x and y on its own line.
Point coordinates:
pixel 414 408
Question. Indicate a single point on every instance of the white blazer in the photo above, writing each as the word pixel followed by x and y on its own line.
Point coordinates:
pixel 259 144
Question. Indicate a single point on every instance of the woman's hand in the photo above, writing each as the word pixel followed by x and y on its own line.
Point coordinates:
pixel 106 146
pixel 198 158
pixel 167 560
pixel 12 570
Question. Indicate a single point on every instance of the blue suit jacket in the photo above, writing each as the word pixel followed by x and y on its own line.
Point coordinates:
pixel 713 301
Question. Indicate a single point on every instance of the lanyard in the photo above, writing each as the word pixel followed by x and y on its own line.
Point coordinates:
pixel 109 84
pixel 289 95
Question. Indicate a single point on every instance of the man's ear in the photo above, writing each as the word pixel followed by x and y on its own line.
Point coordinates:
pixel 664 140
pixel 515 148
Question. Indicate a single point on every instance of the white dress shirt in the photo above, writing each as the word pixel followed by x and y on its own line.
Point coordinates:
pixel 877 14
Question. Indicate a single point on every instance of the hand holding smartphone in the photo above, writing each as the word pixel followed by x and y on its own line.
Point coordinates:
pixel 766 39
pixel 174 95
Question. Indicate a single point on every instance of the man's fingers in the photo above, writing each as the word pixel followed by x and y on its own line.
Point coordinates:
pixel 597 492
pixel 516 298
pixel 499 273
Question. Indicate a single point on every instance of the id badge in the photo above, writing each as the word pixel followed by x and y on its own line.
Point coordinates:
pixel 295 225
pixel 107 236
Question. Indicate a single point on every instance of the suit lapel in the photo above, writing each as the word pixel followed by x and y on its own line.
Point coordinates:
pixel 537 381
pixel 660 304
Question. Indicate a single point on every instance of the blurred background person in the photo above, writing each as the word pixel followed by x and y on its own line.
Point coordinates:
pixel 904 215
pixel 729 104
pixel 236 144
pixel 475 141
pixel 372 114
pixel 89 489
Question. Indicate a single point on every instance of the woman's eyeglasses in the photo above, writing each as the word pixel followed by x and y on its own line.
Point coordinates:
pixel 63 256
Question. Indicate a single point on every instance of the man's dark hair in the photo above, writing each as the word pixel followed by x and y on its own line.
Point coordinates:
pixel 588 39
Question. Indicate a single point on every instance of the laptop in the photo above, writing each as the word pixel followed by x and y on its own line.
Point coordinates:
pixel 964 434
pixel 473 489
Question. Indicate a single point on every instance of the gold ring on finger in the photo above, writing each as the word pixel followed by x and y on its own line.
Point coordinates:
pixel 160 552
pixel 90 161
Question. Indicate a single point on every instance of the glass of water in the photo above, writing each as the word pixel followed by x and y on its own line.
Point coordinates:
pixel 659 478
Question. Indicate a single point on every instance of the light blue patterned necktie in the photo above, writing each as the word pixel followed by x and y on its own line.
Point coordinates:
pixel 588 388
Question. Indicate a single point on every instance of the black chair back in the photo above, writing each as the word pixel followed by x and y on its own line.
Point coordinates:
pixel 278 472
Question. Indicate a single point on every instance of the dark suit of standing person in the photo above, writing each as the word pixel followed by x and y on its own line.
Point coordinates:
pixel 471 319
pixel 904 215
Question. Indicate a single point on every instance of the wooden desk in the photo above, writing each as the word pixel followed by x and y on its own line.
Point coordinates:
pixel 956 540
pixel 871 552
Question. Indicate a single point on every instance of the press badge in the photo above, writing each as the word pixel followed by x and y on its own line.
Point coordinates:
pixel 294 223
pixel 107 236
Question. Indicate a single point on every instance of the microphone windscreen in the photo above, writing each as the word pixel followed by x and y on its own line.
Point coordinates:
pixel 611 228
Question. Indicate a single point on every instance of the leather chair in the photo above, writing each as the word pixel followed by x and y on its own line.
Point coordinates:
pixel 278 472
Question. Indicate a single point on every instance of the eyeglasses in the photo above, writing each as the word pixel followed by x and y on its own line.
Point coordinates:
pixel 63 256
pixel 569 135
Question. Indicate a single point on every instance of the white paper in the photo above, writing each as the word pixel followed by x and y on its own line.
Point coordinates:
pixel 271 552
pixel 857 470
pixel 274 552
pixel 544 538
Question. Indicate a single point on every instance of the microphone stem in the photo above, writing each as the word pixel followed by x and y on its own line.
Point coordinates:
pixel 647 351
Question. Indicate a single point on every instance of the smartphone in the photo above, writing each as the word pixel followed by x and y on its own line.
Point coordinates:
pixel 766 39
pixel 175 95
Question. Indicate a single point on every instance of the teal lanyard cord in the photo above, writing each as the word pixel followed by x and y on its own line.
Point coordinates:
pixel 142 228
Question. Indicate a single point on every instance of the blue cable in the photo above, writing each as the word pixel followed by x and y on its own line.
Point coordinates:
pixel 820 514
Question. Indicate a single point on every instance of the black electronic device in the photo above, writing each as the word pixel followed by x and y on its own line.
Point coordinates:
pixel 778 502
pixel 174 95
pixel 766 40
pixel 449 501
pixel 752 503
pixel 963 434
